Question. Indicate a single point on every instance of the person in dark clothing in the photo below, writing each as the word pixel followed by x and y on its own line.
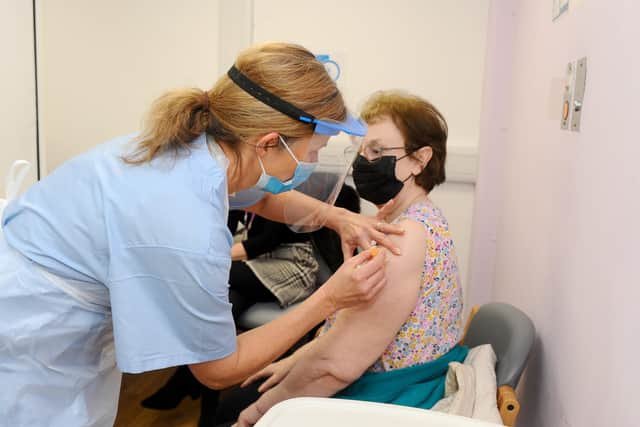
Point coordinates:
pixel 271 263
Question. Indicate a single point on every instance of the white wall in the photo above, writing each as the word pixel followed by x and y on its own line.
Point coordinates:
pixel 103 63
pixel 566 208
pixel 17 86
pixel 434 48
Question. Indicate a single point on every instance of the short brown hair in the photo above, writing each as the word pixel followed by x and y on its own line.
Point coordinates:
pixel 421 125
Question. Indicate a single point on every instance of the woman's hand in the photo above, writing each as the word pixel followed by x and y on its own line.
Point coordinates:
pixel 359 230
pixel 249 416
pixel 358 280
pixel 274 374
pixel 252 414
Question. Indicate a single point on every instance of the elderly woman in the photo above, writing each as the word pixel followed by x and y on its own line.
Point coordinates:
pixel 397 349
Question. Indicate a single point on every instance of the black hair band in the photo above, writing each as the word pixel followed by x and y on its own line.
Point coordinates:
pixel 268 98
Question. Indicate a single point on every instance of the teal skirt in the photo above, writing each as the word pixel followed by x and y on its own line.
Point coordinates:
pixel 420 386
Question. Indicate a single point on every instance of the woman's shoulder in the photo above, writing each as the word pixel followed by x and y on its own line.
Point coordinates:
pixel 426 212
pixel 412 244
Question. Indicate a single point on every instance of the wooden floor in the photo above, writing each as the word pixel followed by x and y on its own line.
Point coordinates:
pixel 137 387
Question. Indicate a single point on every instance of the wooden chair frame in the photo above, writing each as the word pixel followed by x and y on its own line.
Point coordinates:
pixel 508 404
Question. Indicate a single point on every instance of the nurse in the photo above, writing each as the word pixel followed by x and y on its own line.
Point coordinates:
pixel 118 261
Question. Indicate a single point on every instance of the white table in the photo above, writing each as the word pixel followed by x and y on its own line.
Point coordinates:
pixel 322 412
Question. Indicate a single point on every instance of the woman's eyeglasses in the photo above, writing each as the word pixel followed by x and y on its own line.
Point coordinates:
pixel 374 152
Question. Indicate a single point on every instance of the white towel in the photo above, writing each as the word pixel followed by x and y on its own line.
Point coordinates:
pixel 471 387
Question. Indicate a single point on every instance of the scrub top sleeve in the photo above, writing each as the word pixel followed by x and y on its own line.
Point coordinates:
pixel 169 308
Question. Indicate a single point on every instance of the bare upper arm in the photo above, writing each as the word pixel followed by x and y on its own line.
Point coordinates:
pixel 361 334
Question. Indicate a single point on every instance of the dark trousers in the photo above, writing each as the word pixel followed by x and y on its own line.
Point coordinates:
pixel 233 401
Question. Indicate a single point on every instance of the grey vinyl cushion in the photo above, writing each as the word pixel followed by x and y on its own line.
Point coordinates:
pixel 511 334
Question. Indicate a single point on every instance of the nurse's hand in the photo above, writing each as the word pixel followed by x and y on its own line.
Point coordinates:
pixel 358 280
pixel 357 230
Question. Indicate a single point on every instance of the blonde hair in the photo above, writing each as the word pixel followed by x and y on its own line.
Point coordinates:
pixel 231 115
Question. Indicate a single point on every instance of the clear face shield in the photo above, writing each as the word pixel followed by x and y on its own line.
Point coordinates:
pixel 331 151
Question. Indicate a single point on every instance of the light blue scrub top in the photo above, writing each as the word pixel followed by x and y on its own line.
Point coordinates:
pixel 155 235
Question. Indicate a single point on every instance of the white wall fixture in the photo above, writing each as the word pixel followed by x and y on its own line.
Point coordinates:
pixel 578 94
pixel 567 95
pixel 573 95
pixel 559 7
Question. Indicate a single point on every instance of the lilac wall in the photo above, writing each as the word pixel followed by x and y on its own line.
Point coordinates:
pixel 556 226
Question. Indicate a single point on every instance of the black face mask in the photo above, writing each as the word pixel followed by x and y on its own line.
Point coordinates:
pixel 376 181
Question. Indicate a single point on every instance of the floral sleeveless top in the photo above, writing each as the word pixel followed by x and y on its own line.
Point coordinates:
pixel 435 324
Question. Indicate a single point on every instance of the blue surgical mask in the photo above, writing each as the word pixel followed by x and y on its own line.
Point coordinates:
pixel 273 185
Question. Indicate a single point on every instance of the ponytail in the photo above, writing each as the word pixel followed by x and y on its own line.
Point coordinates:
pixel 175 120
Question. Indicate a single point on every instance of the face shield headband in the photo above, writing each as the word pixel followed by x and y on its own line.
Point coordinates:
pixel 351 126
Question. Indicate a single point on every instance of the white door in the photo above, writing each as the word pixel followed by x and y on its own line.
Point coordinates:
pixel 17 88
